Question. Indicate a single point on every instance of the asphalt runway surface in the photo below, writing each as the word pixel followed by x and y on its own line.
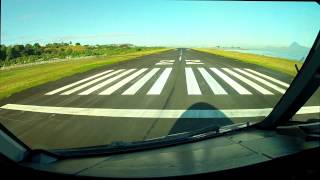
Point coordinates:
pixel 152 96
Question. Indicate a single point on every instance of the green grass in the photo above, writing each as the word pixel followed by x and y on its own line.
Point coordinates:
pixel 279 64
pixel 18 79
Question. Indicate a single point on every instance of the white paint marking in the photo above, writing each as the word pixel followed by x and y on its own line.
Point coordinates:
pixel 76 83
pixel 192 84
pixel 232 83
pixel 249 82
pixel 159 84
pixel 90 83
pixel 268 77
pixel 213 84
pixel 118 85
pixel 136 86
pixel 275 87
pixel 165 62
pixel 154 113
pixel 309 110
pixel 193 61
pixel 180 58
pixel 106 82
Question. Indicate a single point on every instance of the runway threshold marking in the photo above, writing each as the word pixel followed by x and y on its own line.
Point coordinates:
pixel 273 86
pixel 77 82
pixel 240 89
pixel 118 85
pixel 233 77
pixel 106 82
pixel 192 84
pixel 153 113
pixel 136 86
pixel 268 77
pixel 249 82
pixel 91 82
pixel 157 87
pixel 213 84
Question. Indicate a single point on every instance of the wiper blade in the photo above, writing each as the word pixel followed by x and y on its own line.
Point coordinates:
pixel 210 130
pixel 216 130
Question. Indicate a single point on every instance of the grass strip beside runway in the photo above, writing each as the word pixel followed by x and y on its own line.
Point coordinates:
pixel 278 64
pixel 18 79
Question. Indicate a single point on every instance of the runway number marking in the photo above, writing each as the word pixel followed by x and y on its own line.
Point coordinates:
pixel 165 62
pixel 193 61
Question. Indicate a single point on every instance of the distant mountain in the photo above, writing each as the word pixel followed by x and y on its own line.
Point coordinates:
pixel 295 45
pixel 294 49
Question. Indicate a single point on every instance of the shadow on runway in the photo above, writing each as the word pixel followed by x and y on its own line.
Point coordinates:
pixel 188 121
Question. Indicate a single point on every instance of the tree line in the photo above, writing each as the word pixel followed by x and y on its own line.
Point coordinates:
pixel 20 54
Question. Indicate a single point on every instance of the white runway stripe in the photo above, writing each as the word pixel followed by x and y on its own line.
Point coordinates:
pixel 232 83
pixel 90 83
pixel 159 84
pixel 268 77
pixel 275 87
pixel 165 62
pixel 154 113
pixel 213 84
pixel 193 61
pixel 247 81
pixel 118 85
pixel 106 82
pixel 192 84
pixel 76 83
pixel 136 86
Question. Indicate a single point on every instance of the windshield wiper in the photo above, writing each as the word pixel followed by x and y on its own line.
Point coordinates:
pixel 117 147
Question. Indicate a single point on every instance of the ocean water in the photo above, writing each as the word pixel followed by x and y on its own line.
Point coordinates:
pixel 298 56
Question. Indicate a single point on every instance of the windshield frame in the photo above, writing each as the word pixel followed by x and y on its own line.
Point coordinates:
pixel 300 90
pixel 281 113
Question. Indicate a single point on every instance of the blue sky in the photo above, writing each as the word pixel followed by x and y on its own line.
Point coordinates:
pixel 165 23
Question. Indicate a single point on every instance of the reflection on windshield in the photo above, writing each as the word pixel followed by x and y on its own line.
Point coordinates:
pixel 154 70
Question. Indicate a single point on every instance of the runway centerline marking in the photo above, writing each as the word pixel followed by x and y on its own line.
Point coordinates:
pixel 153 113
pixel 240 89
